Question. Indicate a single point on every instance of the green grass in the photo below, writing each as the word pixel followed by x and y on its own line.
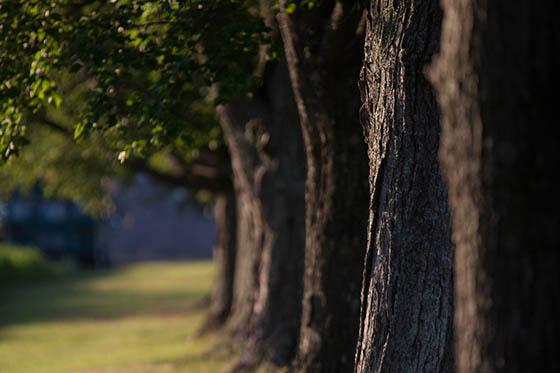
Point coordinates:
pixel 142 318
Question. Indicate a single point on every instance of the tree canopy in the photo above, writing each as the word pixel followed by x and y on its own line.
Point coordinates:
pixel 146 70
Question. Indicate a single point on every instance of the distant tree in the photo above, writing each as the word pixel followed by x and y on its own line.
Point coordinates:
pixel 264 138
pixel 495 75
pixel 225 251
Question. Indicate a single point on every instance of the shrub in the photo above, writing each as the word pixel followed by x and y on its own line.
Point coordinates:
pixel 21 264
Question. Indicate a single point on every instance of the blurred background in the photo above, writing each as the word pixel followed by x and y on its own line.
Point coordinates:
pixel 117 280
pixel 148 221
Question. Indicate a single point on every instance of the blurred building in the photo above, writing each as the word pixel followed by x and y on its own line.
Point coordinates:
pixel 58 227
pixel 154 222
pixel 150 222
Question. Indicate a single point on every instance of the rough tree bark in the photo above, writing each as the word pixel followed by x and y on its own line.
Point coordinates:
pixel 323 47
pixel 267 159
pixel 407 298
pixel 224 261
pixel 494 76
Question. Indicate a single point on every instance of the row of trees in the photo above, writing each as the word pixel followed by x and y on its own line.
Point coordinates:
pixel 385 202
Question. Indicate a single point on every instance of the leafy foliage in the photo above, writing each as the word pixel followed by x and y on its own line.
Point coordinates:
pixel 149 66
pixel 29 49
pixel 79 172
pixel 291 5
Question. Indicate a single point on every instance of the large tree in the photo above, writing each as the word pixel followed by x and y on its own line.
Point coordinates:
pixel 323 47
pixel 495 74
pixel 407 290
pixel 268 168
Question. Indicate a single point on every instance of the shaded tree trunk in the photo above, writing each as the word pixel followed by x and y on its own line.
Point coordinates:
pixel 267 156
pixel 494 77
pixel 407 298
pixel 250 226
pixel 323 49
pixel 224 260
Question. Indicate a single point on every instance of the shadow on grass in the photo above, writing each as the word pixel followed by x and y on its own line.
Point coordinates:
pixel 221 353
pixel 77 297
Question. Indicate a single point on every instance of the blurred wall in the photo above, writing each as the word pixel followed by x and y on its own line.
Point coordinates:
pixel 154 222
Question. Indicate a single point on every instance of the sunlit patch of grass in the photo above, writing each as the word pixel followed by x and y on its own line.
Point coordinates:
pixel 143 318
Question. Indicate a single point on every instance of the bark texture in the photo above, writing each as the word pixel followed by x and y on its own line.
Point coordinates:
pixel 225 213
pixel 252 229
pixel 494 77
pixel 323 50
pixel 267 160
pixel 407 298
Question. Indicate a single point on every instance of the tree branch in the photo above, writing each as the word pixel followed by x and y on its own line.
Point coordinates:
pixel 188 179
pixel 194 175
pixel 51 124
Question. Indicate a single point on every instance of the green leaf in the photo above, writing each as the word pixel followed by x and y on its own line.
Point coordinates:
pixel 80 129
pixel 290 8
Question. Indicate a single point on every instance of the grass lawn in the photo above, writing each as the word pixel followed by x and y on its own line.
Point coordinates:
pixel 141 318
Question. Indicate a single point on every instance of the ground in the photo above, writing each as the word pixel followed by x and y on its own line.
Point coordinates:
pixel 141 318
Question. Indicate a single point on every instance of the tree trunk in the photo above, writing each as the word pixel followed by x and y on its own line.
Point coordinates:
pixel 277 309
pixel 267 153
pixel 494 77
pixel 224 260
pixel 323 49
pixel 251 228
pixel 407 298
